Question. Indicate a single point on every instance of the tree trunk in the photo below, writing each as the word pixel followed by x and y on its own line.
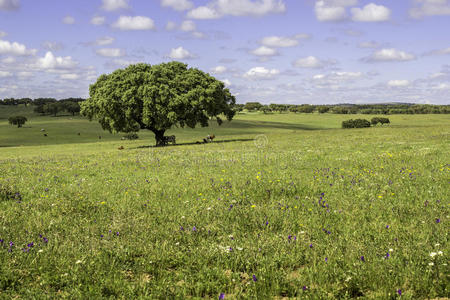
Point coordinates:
pixel 19 125
pixel 159 137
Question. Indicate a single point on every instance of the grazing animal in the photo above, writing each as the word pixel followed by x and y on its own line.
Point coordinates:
pixel 209 138
pixel 170 139
pixel 45 134
pixel 120 148
pixel 99 137
pixel 42 129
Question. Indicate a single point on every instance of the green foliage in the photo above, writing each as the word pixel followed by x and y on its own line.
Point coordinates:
pixel 323 109
pixel 17 120
pixel 252 106
pixel 9 192
pixel 131 136
pixel 357 123
pixel 377 120
pixel 156 98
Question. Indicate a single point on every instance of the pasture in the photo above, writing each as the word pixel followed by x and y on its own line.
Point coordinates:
pixel 307 210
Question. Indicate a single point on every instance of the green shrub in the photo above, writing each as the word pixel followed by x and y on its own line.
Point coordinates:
pixel 130 136
pixel 357 123
pixel 377 120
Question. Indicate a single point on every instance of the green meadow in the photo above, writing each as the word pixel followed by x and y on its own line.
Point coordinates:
pixel 278 206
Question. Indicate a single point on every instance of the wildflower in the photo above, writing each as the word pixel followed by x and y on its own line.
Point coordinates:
pixel 305 288
pixel 440 252
pixel 78 262
pixel 30 245
pixel 181 228
pixel 254 278
pixel 117 233
pixel 45 239
pixel 289 238
pixel 431 264
pixel 433 254
pixel 253 206
pixel 101 235
pixel 399 292
pixel 194 228
pixel 387 226
pixel 326 259
pixel 438 220
pixel 387 255
pixel 1 241
pixel 310 245
pixel 221 296
pixel 363 259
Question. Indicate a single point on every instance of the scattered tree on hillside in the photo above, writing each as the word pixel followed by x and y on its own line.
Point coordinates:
pixel 73 108
pixel 17 120
pixel 156 98
pixel 251 106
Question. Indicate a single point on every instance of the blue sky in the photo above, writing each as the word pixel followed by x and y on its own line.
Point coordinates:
pixel 271 51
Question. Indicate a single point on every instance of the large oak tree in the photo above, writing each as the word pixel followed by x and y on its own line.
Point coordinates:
pixel 156 98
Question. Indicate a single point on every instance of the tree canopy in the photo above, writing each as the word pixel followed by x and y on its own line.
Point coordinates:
pixel 156 98
pixel 17 120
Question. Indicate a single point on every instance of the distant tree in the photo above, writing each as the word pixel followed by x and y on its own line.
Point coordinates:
pixel 293 108
pixel 239 107
pixel 266 109
pixel 323 109
pixel 252 106
pixel 17 120
pixel 307 108
pixel 43 101
pixel 52 108
pixel 156 98
pixel 72 107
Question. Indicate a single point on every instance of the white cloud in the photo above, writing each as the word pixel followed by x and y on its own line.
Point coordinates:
pixel 98 20
pixel 15 49
pixel 2 34
pixel 371 13
pixel 134 23
pixel 69 20
pixel 8 60
pixel 280 41
pixel 329 12
pixel 308 62
pixel 334 79
pixel 390 54
pixel 398 83
pixel 9 4
pixel 178 5
pixel 226 82
pixel 261 73
pixel 24 74
pixel 110 52
pixel 442 86
pixel 264 51
pixel 52 46
pixel 69 76
pixel 425 8
pixel 103 41
pixel 111 5
pixel 5 74
pixel 180 53
pixel 49 61
pixel 444 51
pixel 171 26
pixel 219 70
pixel 219 8
pixel 188 25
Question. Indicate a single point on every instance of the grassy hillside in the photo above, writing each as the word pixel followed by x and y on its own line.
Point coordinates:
pixel 307 210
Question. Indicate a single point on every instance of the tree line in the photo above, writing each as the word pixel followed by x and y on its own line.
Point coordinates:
pixel 373 109
pixel 47 106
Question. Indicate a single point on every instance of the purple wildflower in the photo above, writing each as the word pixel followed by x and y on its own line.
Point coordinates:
pixel 267 223
pixel 194 228
pixel 363 259
pixel 221 296
pixel 46 189
pixel 289 238
pixel 305 288
pixel 326 259
pixel 310 245
pixel 1 241
pixel 399 291
pixel 117 233
pixel 387 226
pixel 11 244
pixel 181 228
pixel 438 220
pixel 254 278
pixel 45 239
pixel 387 255
pixel 101 235
pixel 30 245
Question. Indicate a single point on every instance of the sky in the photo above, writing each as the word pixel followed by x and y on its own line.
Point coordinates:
pixel 270 51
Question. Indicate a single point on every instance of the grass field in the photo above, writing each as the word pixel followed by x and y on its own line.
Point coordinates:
pixel 307 210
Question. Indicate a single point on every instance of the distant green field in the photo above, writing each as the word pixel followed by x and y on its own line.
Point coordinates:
pixel 280 205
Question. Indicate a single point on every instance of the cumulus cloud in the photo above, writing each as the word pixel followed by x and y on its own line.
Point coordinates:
pixel 5 74
pixel 425 8
pixel 219 70
pixel 188 25
pixel 98 20
pixel 261 73
pixel 264 51
pixel 69 20
pixel 111 5
pixel 9 4
pixel 180 53
pixel 282 41
pixel 8 60
pixel 442 86
pixel 179 5
pixel 52 46
pixel 389 54
pixel 134 23
pixel 398 83
pixel 106 40
pixel 110 52
pixel 334 79
pixel 49 61
pixel 226 82
pixel 171 26
pixel 15 48
pixel 444 51
pixel 308 62
pixel 329 12
pixel 69 76
pixel 371 13
pixel 219 8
